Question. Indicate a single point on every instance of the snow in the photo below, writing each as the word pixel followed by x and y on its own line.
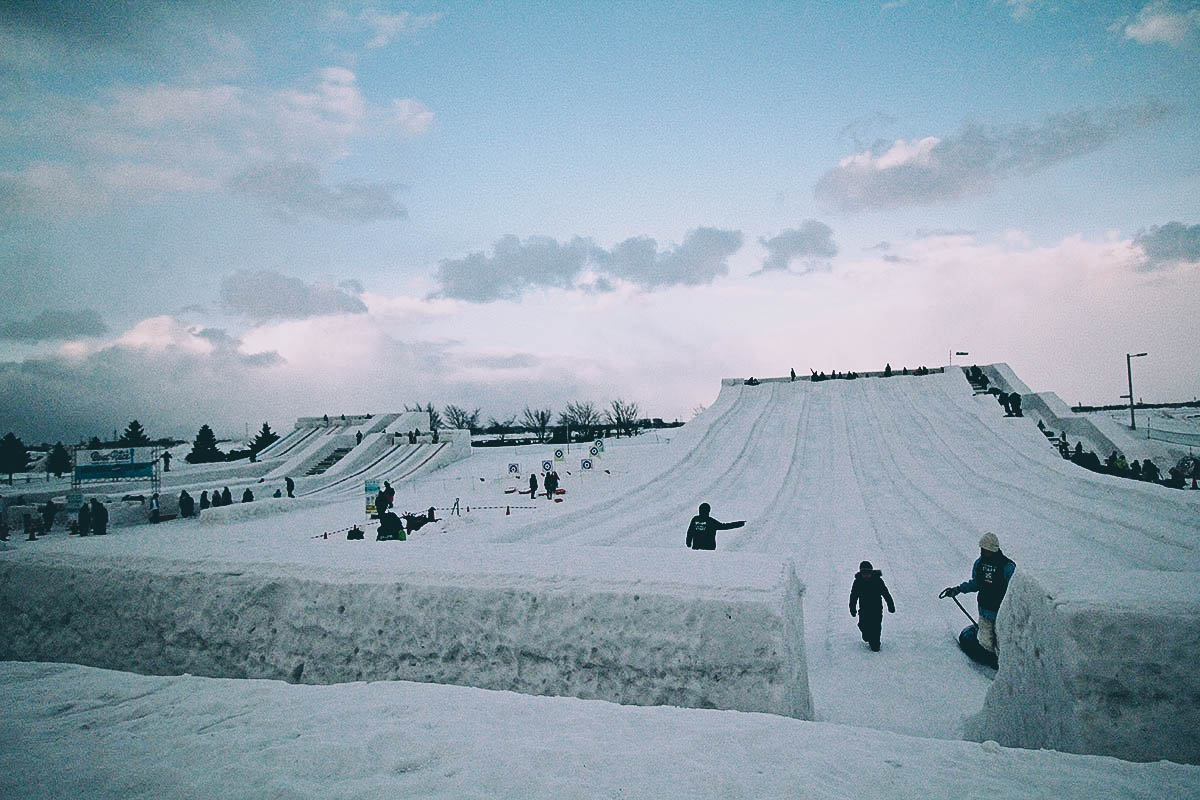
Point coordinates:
pixel 623 625
pixel 78 732
pixel 906 472
pixel 1109 672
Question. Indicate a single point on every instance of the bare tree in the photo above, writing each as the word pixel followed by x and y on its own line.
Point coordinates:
pixel 458 417
pixel 623 416
pixel 582 417
pixel 537 420
pixel 435 419
pixel 502 427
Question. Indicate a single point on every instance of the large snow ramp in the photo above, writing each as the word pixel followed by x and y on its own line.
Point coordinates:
pixel 906 472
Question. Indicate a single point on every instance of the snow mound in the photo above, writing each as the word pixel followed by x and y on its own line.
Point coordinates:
pixel 638 635
pixel 1106 669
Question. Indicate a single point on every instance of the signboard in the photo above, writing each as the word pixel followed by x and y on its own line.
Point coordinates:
pixel 595 451
pixel 585 464
pixel 371 488
pixel 547 466
pixel 560 454
pixel 115 464
pixel 514 469
pixel 599 445
pixel 116 455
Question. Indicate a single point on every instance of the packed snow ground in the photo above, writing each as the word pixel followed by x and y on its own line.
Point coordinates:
pixel 906 472
pixel 72 732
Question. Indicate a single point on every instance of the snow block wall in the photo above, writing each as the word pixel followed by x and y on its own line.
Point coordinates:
pixel 1106 668
pixel 629 641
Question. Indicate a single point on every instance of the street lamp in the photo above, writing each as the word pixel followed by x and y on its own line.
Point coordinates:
pixel 1129 371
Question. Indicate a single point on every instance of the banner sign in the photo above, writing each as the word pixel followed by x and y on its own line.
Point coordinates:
pixel 113 472
pixel 371 488
pixel 117 455
pixel 585 464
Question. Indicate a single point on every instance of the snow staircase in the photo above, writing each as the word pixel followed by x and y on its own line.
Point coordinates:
pixel 334 456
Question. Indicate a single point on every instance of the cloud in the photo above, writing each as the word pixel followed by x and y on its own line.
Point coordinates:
pixel 294 189
pixel 266 295
pixel 161 138
pixel 972 161
pixel 541 262
pixel 1021 9
pixel 54 324
pixel 389 27
pixel 812 241
pixel 411 116
pixel 1165 22
pixel 1168 245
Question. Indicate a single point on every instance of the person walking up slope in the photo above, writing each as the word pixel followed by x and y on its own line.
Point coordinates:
pixel 867 596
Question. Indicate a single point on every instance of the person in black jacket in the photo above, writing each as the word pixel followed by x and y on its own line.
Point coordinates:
pixel 866 600
pixel 702 532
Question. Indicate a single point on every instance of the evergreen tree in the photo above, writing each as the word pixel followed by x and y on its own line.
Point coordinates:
pixel 59 461
pixel 265 438
pixel 204 448
pixel 13 456
pixel 94 443
pixel 134 435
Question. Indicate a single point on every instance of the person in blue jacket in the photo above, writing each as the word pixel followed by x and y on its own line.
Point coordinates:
pixel 989 577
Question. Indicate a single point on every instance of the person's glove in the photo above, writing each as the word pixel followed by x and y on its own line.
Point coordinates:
pixel 949 591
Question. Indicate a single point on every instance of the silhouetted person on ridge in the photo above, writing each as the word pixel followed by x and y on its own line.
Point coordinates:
pixel 247 496
pixel 204 500
pixel 702 531
pixel 187 506
pixel 226 497
pixel 358 437
pixel 291 486
pixel 532 485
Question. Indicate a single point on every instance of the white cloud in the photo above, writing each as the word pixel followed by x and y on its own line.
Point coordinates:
pixel 970 162
pixel 1163 21
pixel 411 116
pixel 386 28
pixel 296 189
pixel 141 140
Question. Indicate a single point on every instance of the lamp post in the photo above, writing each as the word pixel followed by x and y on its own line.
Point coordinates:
pixel 1129 372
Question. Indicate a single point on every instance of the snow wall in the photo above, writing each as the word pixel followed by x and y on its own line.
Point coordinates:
pixel 1106 670
pixel 632 641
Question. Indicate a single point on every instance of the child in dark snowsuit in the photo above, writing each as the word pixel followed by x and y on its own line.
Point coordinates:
pixel 866 600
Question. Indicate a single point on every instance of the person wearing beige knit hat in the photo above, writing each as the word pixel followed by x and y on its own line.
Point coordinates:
pixel 989 577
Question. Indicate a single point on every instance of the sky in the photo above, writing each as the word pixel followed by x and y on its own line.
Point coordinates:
pixel 229 213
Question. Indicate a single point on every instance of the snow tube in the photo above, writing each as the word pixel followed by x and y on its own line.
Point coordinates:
pixel 968 642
